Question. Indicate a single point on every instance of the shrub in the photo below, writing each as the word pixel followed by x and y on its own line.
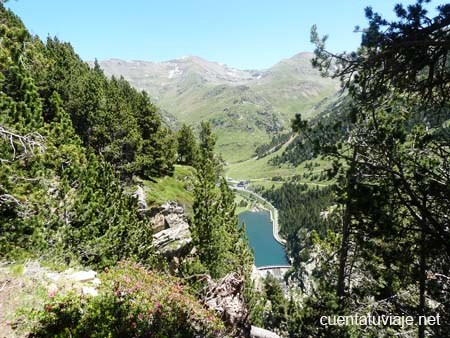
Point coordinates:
pixel 132 302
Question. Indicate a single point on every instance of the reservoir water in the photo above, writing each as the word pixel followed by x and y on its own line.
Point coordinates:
pixel 266 249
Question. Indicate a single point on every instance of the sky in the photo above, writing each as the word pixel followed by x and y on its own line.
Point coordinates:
pixel 247 34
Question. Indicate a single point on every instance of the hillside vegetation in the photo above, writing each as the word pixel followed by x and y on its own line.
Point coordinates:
pixel 361 181
pixel 245 107
pixel 376 241
pixel 73 144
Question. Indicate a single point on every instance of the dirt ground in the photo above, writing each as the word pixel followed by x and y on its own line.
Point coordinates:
pixel 24 287
pixel 15 292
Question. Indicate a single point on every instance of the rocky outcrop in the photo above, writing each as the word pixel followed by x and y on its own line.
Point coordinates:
pixel 85 282
pixel 257 332
pixel 225 297
pixel 173 241
pixel 158 223
pixel 172 208
pixel 168 215
pixel 172 236
pixel 174 220
pixel 139 194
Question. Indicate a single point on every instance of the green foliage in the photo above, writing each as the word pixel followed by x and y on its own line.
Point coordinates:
pixel 101 224
pixel 158 152
pixel 220 244
pixel 58 198
pixel 299 214
pixel 132 302
pixel 19 101
pixel 206 221
pixel 69 206
pixel 325 132
pixel 275 144
pixel 393 199
pixel 69 138
pixel 276 316
pixel 110 116
pixel 187 146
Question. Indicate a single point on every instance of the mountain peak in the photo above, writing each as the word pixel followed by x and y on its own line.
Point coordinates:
pixel 187 58
pixel 258 102
pixel 204 63
pixel 303 55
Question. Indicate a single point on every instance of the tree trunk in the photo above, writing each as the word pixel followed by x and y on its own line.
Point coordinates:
pixel 346 220
pixel 422 277
pixel 343 253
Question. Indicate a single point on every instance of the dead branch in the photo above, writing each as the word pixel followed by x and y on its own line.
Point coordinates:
pixel 9 198
pixel 25 144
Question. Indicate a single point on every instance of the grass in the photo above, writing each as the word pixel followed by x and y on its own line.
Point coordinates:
pixel 236 145
pixel 245 113
pixel 242 199
pixel 172 188
pixel 240 117
pixel 261 172
pixel 17 269
pixel 21 292
pixel 250 200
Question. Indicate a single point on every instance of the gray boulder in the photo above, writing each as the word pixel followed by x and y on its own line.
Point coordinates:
pixel 172 208
pixel 139 194
pixel 225 297
pixel 257 332
pixel 173 241
pixel 174 220
pixel 158 223
pixel 168 215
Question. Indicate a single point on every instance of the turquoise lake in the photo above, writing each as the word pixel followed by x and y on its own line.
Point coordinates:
pixel 266 249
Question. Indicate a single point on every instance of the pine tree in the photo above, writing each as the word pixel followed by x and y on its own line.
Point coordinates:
pixel 222 247
pixel 277 316
pixel 401 98
pixel 187 146
pixel 58 198
pixel 156 156
pixel 206 221
pixel 20 103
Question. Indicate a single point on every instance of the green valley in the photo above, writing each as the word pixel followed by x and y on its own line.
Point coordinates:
pixel 191 199
pixel 245 107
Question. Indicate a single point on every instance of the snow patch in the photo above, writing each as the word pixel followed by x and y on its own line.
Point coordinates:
pixel 175 72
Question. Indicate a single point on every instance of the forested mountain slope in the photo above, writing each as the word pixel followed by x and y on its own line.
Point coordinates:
pixel 259 103
pixel 377 242
pixel 373 239
pixel 72 145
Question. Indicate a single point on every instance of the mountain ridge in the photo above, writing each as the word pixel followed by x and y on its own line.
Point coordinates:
pixel 246 107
